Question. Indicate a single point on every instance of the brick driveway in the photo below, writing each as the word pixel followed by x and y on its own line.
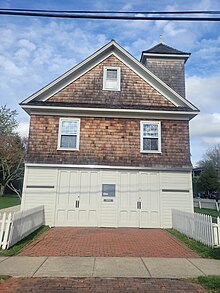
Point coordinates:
pixel 88 285
pixel 96 242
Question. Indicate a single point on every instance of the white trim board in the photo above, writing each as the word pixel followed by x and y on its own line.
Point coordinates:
pixel 38 165
pixel 106 112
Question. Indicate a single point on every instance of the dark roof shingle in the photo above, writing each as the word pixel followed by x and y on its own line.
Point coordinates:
pixel 164 49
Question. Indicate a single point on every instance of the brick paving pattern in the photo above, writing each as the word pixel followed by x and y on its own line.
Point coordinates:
pixel 88 285
pixel 106 242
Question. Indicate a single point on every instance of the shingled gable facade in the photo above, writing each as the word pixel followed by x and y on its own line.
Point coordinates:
pixel 109 141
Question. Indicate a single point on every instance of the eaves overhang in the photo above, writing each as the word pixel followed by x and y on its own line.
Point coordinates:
pixel 107 112
pixel 145 56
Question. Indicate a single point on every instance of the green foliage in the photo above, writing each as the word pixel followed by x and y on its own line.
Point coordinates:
pixel 8 123
pixel 211 283
pixel 198 247
pixel 208 179
pixel 12 152
pixel 9 201
pixel 15 249
pixel 195 185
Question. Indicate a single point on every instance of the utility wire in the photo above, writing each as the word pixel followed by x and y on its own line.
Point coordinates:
pixel 113 17
pixel 115 12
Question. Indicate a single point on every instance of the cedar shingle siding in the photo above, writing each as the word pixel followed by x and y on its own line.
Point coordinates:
pixel 170 71
pixel 89 88
pixel 108 141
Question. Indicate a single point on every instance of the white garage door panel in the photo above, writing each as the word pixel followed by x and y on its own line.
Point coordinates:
pixel 80 201
pixel 139 189
pixel 128 193
pixel 77 199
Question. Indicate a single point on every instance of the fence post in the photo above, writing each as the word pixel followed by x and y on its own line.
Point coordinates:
pixel 2 227
pixel 217 232
pixel 7 231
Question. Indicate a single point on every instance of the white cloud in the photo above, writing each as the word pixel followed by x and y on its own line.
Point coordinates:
pixel 26 44
pixel 206 126
pixel 23 129
pixel 8 67
pixel 204 92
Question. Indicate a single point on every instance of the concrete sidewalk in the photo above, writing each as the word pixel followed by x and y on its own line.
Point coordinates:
pixel 108 267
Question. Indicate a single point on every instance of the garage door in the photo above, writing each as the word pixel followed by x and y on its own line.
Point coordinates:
pixel 139 200
pixel 108 199
pixel 77 199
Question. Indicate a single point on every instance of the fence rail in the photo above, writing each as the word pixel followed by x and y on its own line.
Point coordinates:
pixel 206 203
pixel 198 227
pixel 14 227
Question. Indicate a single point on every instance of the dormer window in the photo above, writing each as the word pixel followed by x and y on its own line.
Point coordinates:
pixel 111 78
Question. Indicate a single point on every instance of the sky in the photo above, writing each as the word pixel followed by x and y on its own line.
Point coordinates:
pixel 34 51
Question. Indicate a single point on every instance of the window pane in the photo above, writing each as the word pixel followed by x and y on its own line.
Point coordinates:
pixel 150 144
pixel 69 127
pixel 154 144
pixel 150 130
pixel 68 141
pixel 108 189
pixel 111 74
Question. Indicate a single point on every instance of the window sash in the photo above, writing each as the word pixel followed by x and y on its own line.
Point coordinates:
pixel 150 136
pixel 111 78
pixel 68 134
pixel 112 74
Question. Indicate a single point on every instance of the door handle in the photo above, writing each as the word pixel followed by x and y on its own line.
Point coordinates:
pixel 139 205
pixel 77 204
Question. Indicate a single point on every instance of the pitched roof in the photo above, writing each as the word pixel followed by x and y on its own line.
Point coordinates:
pixel 80 69
pixel 164 49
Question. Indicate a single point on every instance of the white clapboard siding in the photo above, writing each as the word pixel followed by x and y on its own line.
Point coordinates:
pixel 40 186
pixel 175 181
pixel 197 226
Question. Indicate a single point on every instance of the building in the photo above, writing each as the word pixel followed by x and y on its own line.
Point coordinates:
pixel 109 141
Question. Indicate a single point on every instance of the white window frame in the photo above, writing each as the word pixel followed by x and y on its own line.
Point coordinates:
pixel 142 137
pixel 77 135
pixel 118 81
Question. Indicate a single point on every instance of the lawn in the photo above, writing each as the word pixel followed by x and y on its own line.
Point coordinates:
pixel 9 201
pixel 211 283
pixel 209 212
pixel 198 247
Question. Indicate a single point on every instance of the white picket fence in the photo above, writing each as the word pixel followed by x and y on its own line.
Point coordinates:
pixel 198 227
pixel 14 227
pixel 206 203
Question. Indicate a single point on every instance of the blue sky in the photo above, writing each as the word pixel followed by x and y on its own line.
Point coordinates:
pixel 34 51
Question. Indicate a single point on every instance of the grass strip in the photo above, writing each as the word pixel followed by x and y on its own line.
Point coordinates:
pixel 8 201
pixel 209 212
pixel 198 247
pixel 15 249
pixel 210 283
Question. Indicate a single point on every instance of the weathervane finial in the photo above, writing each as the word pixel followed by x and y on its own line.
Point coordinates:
pixel 161 39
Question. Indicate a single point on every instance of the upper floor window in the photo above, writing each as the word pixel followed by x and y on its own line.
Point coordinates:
pixel 69 129
pixel 150 136
pixel 111 78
